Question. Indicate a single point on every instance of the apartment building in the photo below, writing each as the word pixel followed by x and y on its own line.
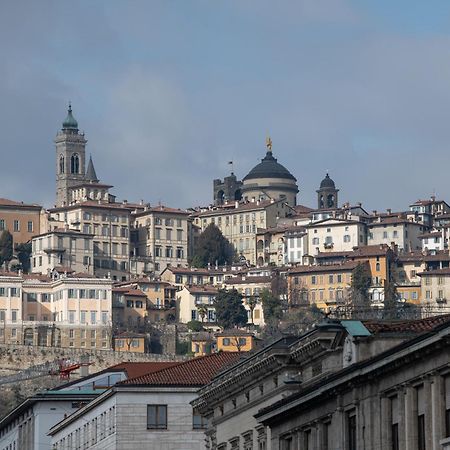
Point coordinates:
pixel 109 223
pixel 334 234
pixel 129 309
pixel 159 239
pixel 435 290
pixel 239 222
pixel 270 246
pixel 63 310
pixel 296 245
pixel 190 298
pixel 66 249
pixel 22 220
pixel 324 286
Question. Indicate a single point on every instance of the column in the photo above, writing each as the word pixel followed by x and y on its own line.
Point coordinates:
pixel 384 425
pixel 428 413
pixel 401 419
pixel 437 411
pixel 411 418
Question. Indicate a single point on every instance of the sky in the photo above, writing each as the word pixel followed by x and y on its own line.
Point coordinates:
pixel 167 92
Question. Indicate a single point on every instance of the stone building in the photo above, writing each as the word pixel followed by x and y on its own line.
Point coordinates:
pixel 159 239
pixel 22 220
pixel 63 249
pixel 343 385
pixel 150 412
pixel 228 190
pixel 327 194
pixel 61 310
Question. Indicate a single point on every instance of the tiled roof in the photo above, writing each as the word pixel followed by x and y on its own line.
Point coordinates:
pixel 206 289
pixel 346 266
pixel 363 251
pixel 431 234
pixel 379 221
pixel 249 280
pixel 405 326
pixel 195 372
pixel 230 208
pixel 130 291
pixel 162 209
pixel 7 202
pixel 94 204
pixel 444 271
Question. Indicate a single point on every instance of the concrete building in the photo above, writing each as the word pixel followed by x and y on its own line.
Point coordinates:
pixel 62 248
pixel 27 426
pixel 63 310
pixel 159 239
pixel 334 234
pixel 296 245
pixel 149 412
pixel 343 385
pixel 435 287
pixel 22 220
pixel 434 240
pixel 427 211
pixel 397 229
pixel 109 223
pixel 190 298
pixel 228 190
pixel 239 222
pixel 270 246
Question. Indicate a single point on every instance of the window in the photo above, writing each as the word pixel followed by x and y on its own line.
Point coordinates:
pixel 394 436
pixel 347 238
pixel 74 164
pixel 351 431
pixel 157 417
pixel 330 279
pixel 16 226
pixel 2 224
pixel 93 317
pixel 31 297
pixel 199 422
pixel 315 241
pixel 83 316
pixel 14 316
pixel 313 280
pixel 421 432
pixel 385 235
pixel 226 342
pixel 30 226
pixel 377 267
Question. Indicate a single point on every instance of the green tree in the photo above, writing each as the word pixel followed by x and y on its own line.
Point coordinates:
pixel 272 308
pixel 212 248
pixel 230 311
pixel 361 282
pixel 202 311
pixel 195 325
pixel 391 297
pixel 6 248
pixel 23 252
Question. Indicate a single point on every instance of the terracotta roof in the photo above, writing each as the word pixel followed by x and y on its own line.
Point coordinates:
pixel 346 266
pixel 235 332
pixel 130 291
pixel 195 372
pixel 94 204
pixel 249 280
pixel 7 202
pixel 363 251
pixel 402 326
pixel 412 256
pixel 224 209
pixel 162 209
pixel 431 234
pixel 207 289
pixel 444 271
pixel 442 255
pixel 379 221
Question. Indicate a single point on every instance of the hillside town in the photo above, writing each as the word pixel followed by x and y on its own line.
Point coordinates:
pixel 254 322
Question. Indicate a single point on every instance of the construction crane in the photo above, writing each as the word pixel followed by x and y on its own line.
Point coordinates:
pixel 61 367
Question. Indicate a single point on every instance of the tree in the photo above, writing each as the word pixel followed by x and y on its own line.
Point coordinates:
pixel 212 248
pixel 252 302
pixel 195 325
pixel 6 248
pixel 230 311
pixel 202 311
pixel 272 308
pixel 23 252
pixel 391 297
pixel 361 282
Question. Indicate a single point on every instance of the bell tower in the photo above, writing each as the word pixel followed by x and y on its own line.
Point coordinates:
pixel 70 158
pixel 327 194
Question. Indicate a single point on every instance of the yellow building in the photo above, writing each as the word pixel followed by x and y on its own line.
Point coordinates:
pixel 236 341
pixel 129 308
pixel 202 344
pixel 324 286
pixel 130 342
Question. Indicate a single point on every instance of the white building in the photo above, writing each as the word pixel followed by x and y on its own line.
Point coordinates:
pixel 63 248
pixel 296 245
pixel 150 412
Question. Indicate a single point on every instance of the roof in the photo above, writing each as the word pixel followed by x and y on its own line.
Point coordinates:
pixel 248 280
pixel 6 202
pixel 206 289
pixel 345 266
pixel 381 220
pixel 327 183
pixel 90 172
pixel 430 234
pixel 363 251
pixel 269 168
pixel 402 326
pixel 130 291
pixel 161 209
pixel 444 271
pixel 69 122
pixel 95 204
pixel 234 332
pixel 231 207
pixel 195 372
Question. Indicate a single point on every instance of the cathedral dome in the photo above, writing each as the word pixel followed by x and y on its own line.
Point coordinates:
pixel 269 168
pixel 327 183
pixel 70 123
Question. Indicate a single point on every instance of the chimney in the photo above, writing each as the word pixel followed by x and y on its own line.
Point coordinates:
pixel 236 204
pixel 374 212
pixel 359 204
pixel 389 210
pixel 141 202
pixel 125 202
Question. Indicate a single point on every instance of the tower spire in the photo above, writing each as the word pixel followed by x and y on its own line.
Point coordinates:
pixel 90 172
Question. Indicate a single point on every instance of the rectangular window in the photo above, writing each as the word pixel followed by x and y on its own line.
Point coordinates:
pixel 421 432
pixel 2 224
pixel 104 317
pixel 30 226
pixel 71 316
pixel 351 431
pixel 83 316
pixel 394 436
pixel 157 417
pixel 16 226
pixel 93 317
pixel 14 292
pixel 199 422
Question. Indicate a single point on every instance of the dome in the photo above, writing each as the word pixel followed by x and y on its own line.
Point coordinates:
pixel 327 183
pixel 269 168
pixel 70 122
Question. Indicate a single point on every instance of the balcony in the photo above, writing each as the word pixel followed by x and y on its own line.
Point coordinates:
pixel 54 250
pixel 441 301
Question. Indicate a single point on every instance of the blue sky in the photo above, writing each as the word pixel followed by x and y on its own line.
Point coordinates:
pixel 168 92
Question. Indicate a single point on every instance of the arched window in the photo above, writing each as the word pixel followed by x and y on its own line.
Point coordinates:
pixel 61 164
pixel 75 164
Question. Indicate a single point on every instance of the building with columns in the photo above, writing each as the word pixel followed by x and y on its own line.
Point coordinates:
pixel 343 385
